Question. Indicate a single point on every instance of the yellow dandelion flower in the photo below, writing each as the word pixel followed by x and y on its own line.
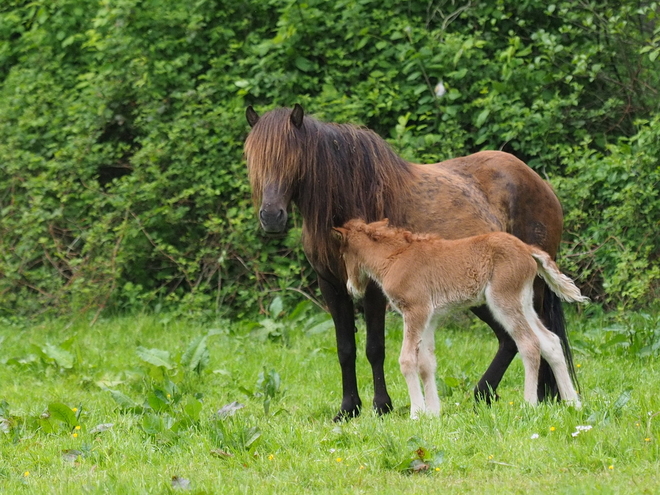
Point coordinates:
pixel 77 427
pixel 511 403
pixel 271 457
pixel 74 435
pixel 552 428
pixel 490 457
pixel 437 469
pixel 578 365
pixel 74 409
pixel 26 474
pixel 610 467
pixel 361 467
pixel 647 439
pixel 338 459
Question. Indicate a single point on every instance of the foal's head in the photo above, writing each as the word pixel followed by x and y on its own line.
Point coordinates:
pixel 361 242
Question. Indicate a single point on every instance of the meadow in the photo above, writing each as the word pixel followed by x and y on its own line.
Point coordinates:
pixel 158 404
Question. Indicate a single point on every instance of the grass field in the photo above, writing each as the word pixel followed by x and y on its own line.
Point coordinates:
pixel 152 404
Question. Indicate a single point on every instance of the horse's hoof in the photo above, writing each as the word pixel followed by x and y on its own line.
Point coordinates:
pixel 383 409
pixel 486 396
pixel 345 415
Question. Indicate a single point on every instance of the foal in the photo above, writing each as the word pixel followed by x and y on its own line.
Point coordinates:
pixel 425 276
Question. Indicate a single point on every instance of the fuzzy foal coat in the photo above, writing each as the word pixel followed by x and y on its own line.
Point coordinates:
pixel 425 276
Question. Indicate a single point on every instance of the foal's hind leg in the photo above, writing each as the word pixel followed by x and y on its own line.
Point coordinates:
pixel 552 352
pixel 427 366
pixel 508 311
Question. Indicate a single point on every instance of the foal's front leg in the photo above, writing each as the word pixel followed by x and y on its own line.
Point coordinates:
pixel 414 323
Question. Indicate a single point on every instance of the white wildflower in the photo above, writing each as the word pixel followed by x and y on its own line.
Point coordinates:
pixel 439 89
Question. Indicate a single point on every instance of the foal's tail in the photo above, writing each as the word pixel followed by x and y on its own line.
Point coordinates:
pixel 559 283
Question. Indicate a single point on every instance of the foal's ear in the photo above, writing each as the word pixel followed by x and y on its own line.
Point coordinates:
pixel 251 116
pixel 297 116
pixel 338 233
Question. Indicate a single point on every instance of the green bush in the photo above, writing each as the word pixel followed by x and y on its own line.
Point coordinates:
pixel 122 182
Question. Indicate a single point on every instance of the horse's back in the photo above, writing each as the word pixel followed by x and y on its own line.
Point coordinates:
pixel 495 191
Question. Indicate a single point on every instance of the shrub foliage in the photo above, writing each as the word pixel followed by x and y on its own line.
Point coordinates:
pixel 122 182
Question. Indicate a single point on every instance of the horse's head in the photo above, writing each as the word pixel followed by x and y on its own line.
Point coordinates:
pixel 272 163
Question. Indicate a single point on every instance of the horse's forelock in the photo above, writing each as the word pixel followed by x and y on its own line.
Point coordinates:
pixel 272 152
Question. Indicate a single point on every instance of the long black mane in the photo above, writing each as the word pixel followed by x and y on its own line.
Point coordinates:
pixel 335 171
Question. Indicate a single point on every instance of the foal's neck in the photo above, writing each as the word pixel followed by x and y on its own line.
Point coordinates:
pixel 376 257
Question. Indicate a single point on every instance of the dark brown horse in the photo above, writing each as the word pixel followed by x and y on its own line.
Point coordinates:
pixel 336 172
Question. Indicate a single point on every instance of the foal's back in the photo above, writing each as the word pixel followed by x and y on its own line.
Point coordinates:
pixel 456 272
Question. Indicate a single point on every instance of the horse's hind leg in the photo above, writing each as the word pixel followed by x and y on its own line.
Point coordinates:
pixel 374 315
pixel 506 351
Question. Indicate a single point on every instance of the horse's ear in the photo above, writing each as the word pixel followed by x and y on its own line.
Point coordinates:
pixel 251 116
pixel 297 116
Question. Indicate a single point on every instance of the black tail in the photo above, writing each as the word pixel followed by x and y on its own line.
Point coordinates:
pixel 553 318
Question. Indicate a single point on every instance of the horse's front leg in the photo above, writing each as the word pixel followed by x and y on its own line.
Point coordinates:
pixel 342 311
pixel 374 315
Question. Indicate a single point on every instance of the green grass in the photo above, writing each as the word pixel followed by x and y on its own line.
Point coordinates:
pixel 294 447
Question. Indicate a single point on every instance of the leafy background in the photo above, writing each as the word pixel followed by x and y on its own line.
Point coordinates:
pixel 122 181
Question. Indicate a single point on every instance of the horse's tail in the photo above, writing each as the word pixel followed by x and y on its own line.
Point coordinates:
pixel 559 283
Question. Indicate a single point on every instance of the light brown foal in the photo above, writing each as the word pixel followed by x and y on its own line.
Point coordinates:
pixel 425 276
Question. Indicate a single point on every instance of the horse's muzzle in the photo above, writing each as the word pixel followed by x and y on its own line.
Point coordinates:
pixel 273 221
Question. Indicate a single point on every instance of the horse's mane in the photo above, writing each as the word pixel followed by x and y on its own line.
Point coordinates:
pixel 335 171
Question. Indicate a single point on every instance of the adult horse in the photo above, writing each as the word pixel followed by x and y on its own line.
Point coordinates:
pixel 336 172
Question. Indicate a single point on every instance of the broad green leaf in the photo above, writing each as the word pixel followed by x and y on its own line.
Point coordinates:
pixel 276 307
pixel 64 413
pixel 196 357
pixel 123 400
pixel 63 358
pixel 193 408
pixel 481 118
pixel 157 357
